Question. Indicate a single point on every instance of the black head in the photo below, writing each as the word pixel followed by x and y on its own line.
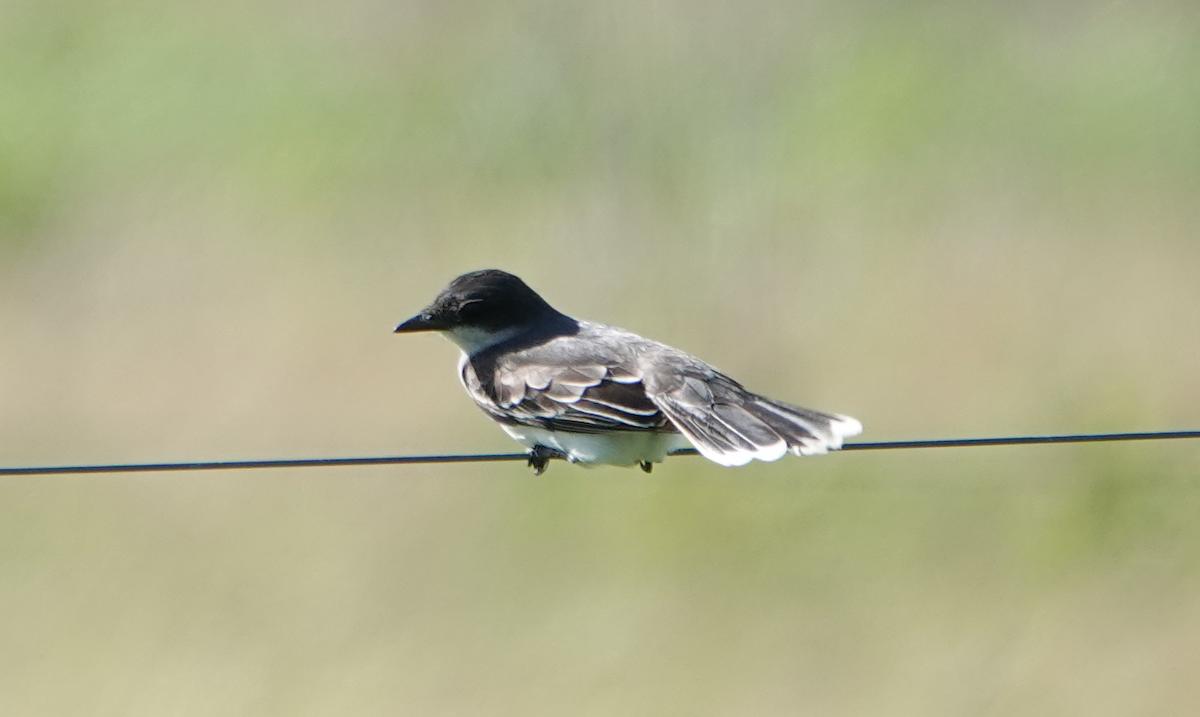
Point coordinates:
pixel 488 300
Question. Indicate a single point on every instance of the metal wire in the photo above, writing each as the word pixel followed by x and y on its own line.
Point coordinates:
pixel 492 457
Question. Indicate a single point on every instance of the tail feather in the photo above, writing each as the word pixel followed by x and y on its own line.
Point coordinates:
pixel 740 426
pixel 806 431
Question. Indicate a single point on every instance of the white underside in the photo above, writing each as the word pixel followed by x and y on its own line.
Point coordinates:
pixel 624 448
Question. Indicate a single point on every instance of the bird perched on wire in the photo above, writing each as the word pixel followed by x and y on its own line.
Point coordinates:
pixel 596 394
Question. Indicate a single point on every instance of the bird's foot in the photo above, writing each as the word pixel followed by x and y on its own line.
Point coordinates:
pixel 646 466
pixel 540 456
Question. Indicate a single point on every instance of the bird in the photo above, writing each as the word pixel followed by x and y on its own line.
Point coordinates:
pixel 599 395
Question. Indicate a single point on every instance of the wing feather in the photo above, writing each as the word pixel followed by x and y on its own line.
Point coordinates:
pixel 595 382
pixel 579 397
pixel 732 426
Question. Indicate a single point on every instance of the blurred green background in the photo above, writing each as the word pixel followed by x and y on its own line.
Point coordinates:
pixel 946 219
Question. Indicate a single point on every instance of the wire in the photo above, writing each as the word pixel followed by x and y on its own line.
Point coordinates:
pixel 239 465
pixel 492 457
pixel 1023 440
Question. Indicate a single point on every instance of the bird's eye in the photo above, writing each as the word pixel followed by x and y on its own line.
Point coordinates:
pixel 471 310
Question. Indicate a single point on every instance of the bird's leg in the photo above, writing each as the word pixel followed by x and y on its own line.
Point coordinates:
pixel 646 466
pixel 539 458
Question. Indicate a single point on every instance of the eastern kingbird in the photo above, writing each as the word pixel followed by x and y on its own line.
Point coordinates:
pixel 596 394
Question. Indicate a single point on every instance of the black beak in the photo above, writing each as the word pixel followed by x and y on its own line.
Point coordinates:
pixel 421 322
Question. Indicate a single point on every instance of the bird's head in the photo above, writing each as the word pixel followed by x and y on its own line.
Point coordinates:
pixel 482 308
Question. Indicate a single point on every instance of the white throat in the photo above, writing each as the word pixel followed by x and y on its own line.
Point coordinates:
pixel 473 340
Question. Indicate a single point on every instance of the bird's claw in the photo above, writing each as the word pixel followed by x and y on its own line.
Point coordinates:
pixel 540 456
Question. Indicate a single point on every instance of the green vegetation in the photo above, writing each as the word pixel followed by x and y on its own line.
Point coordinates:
pixel 944 220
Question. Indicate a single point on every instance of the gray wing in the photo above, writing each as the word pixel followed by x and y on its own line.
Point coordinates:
pixel 732 426
pixel 567 384
pixel 607 379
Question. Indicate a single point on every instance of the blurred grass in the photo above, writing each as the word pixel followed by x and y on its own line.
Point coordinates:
pixel 942 219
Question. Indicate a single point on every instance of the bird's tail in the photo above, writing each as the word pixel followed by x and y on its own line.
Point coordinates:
pixel 735 428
